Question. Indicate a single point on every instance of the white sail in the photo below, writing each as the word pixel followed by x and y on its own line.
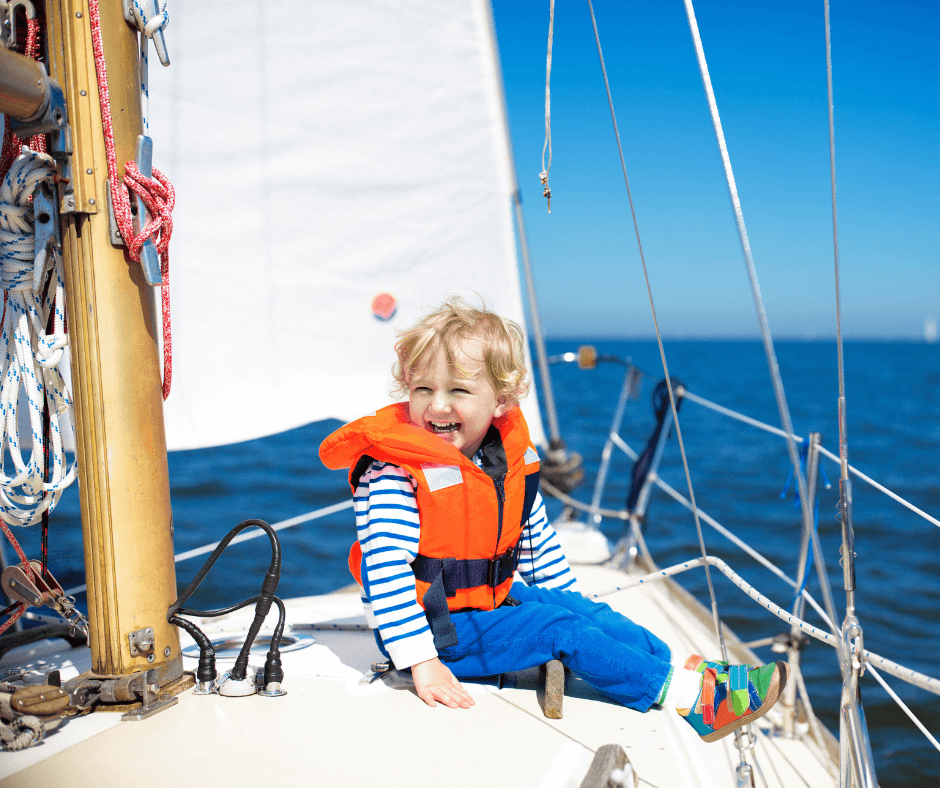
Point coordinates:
pixel 323 154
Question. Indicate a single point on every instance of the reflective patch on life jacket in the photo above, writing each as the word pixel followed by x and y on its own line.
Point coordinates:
pixel 531 456
pixel 439 477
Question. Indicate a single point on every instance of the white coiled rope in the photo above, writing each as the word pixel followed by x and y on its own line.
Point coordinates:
pixel 29 357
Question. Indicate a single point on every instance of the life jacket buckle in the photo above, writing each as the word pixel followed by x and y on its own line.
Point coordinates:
pixel 494 572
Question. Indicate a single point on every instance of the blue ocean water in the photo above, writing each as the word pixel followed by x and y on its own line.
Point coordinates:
pixel 738 474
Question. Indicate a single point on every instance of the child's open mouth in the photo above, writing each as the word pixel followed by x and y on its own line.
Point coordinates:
pixel 440 428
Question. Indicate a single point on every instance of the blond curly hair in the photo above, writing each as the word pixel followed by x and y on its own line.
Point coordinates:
pixel 453 324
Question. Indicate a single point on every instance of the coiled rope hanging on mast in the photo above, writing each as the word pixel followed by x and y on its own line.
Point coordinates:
pixel 33 339
pixel 32 347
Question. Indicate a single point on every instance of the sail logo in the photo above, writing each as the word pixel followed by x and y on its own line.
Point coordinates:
pixel 384 306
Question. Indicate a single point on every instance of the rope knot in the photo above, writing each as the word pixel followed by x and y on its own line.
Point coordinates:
pixel 152 18
pixel 50 349
pixel 158 195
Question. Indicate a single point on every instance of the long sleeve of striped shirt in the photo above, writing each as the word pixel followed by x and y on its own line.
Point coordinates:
pixel 388 529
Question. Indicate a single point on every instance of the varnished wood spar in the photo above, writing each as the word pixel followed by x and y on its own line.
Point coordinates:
pixel 116 379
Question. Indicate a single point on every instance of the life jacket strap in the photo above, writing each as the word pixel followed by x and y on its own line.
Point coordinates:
pixel 435 607
pixel 468 573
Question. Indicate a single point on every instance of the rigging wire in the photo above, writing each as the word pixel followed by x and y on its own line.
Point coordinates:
pixel 537 335
pixel 659 340
pixel 853 727
pixel 921 680
pixel 245 536
pixel 894 696
pixel 918 679
pixel 822 450
pixel 547 146
pixel 843 439
pixel 738 734
pixel 773 366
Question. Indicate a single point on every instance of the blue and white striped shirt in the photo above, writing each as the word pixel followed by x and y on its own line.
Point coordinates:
pixel 388 527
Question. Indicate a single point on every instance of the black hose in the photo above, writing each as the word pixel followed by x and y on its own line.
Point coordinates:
pixel 264 600
pixel 206 671
pixel 272 665
pixel 185 611
pixel 200 576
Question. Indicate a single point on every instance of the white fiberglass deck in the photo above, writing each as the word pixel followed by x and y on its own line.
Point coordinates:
pixel 329 730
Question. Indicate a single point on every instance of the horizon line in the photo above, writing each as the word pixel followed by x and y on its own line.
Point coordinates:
pixel 909 339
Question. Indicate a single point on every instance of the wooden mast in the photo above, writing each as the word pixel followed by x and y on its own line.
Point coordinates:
pixel 127 523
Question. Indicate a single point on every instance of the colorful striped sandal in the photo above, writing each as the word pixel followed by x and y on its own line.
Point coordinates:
pixel 732 695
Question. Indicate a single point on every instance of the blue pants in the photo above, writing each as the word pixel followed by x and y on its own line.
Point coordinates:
pixel 625 661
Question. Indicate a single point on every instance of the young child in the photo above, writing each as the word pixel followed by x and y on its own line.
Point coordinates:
pixel 447 507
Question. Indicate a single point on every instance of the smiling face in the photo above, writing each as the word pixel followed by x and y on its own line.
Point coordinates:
pixel 458 404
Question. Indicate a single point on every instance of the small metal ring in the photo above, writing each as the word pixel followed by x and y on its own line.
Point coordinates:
pixel 746 740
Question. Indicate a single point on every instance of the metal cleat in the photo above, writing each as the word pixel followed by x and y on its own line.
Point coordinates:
pixel 148 10
pixel 46 212
pixel 377 671
pixel 149 259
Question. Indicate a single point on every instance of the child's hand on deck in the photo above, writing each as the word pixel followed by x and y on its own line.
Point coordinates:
pixel 434 682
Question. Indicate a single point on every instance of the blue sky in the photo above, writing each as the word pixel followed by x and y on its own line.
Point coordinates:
pixel 767 63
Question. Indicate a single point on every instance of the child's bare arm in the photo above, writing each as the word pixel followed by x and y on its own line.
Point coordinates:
pixel 434 682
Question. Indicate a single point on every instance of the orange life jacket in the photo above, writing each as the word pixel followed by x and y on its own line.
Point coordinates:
pixel 471 518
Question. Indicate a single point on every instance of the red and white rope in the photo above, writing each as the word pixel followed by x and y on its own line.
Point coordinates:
pixel 24 562
pixel 13 145
pixel 14 616
pixel 156 193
